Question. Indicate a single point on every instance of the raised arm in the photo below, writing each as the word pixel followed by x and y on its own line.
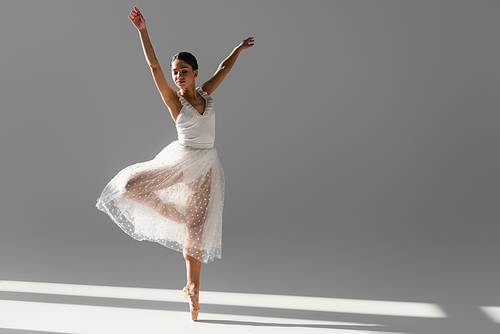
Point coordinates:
pixel 168 95
pixel 226 66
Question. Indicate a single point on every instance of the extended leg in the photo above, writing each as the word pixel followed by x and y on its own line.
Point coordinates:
pixel 197 204
pixel 197 210
pixel 192 289
pixel 193 270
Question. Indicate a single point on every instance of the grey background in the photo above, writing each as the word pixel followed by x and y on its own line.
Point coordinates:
pixel 359 141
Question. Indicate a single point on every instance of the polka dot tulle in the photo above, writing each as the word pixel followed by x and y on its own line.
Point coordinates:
pixel 176 200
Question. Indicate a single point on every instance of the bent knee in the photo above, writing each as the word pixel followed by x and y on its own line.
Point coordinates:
pixel 126 192
pixel 129 189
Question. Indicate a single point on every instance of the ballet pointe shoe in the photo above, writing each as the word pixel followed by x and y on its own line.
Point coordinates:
pixel 193 299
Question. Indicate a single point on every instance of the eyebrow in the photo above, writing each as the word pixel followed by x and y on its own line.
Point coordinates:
pixel 179 68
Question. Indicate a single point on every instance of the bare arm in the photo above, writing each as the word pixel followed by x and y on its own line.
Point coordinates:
pixel 226 66
pixel 168 95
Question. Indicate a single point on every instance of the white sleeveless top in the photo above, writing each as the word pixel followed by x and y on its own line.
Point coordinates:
pixel 196 130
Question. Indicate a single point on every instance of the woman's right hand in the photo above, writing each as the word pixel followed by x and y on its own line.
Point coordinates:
pixel 137 19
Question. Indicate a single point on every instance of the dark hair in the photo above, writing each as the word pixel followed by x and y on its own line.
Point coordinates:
pixel 187 57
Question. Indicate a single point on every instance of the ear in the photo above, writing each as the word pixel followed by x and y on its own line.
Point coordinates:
pixel 195 73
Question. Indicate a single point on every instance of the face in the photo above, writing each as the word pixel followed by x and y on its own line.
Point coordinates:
pixel 183 74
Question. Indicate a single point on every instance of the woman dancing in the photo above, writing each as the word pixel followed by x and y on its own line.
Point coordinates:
pixel 176 199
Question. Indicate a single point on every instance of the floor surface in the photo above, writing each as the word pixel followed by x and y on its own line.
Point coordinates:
pixel 37 308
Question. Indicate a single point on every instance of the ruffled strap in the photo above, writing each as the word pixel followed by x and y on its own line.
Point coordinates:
pixel 183 101
pixel 208 98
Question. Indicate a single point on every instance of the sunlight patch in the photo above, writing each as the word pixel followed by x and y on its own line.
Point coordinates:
pixel 493 312
pixel 320 304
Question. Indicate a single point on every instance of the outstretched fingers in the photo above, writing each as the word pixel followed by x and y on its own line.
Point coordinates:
pixel 247 43
pixel 133 14
pixel 137 19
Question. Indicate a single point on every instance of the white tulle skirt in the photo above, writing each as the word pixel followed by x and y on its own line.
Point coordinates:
pixel 176 200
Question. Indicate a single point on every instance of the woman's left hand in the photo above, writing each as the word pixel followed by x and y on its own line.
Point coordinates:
pixel 247 43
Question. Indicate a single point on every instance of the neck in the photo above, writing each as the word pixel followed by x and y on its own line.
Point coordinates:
pixel 189 92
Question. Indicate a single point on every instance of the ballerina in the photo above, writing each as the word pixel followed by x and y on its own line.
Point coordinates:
pixel 176 199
